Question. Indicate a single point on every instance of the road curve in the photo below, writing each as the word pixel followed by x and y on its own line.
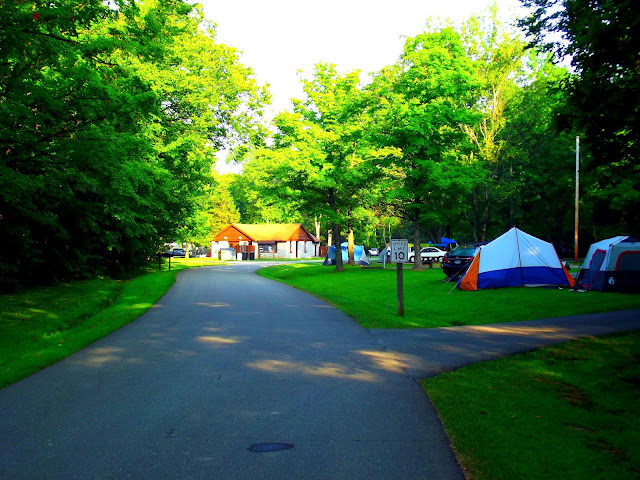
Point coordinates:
pixel 226 365
pixel 427 352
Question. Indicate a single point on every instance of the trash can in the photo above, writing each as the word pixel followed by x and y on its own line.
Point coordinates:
pixel 252 255
pixel 238 256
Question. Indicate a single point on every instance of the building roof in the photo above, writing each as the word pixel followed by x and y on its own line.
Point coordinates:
pixel 267 232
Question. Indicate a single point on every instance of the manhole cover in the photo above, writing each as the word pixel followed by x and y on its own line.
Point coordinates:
pixel 270 447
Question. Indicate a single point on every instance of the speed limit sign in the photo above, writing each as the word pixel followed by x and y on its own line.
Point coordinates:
pixel 399 250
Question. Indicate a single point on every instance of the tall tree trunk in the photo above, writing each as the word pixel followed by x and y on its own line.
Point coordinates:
pixel 417 236
pixel 480 213
pixel 336 233
pixel 434 234
pixel 484 219
pixel 317 223
pixel 350 245
pixel 474 212
pixel 338 246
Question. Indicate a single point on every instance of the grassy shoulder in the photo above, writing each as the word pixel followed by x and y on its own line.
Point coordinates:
pixel 369 296
pixel 568 411
pixel 43 325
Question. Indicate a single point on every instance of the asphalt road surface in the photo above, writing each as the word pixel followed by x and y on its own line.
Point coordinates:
pixel 225 364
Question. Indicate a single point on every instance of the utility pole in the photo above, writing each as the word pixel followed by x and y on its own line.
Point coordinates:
pixel 575 242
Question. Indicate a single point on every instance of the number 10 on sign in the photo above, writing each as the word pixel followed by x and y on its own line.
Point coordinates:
pixel 399 254
pixel 399 250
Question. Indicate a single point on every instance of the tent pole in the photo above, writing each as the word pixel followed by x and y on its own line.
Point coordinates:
pixel 519 257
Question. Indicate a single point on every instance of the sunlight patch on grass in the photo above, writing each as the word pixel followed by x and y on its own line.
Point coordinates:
pixel 138 306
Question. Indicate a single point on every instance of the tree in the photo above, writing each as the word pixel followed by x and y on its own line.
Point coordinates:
pixel 600 38
pixel 214 210
pixel 222 209
pixel 497 59
pixel 257 199
pixel 320 157
pixel 541 155
pixel 210 101
pixel 68 120
pixel 423 103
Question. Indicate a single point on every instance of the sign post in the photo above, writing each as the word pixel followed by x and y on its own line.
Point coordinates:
pixel 399 255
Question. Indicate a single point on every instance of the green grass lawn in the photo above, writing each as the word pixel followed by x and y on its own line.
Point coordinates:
pixel 567 412
pixel 369 296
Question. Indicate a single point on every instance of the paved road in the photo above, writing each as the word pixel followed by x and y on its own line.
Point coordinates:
pixel 424 353
pixel 227 360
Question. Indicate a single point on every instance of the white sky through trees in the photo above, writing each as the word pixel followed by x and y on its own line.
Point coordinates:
pixel 278 38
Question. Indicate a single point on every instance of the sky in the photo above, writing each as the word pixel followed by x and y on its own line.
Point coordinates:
pixel 277 38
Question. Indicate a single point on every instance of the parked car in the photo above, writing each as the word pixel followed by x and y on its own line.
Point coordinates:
pixel 178 252
pixel 428 254
pixel 373 252
pixel 458 260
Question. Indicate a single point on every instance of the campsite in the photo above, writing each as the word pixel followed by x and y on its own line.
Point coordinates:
pixel 136 133
pixel 367 294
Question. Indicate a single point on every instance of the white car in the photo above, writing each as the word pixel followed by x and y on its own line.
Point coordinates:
pixel 428 254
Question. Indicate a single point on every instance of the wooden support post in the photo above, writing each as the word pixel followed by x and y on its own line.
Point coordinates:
pixel 400 290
